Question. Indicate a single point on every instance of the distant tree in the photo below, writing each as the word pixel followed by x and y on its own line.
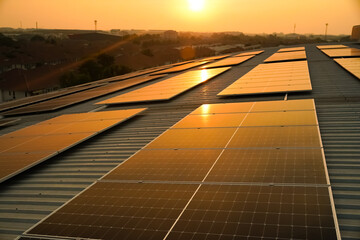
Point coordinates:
pixel 6 41
pixel 37 38
pixel 105 59
pixel 147 52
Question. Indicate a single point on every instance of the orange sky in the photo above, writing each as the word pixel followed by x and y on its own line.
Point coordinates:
pixel 248 16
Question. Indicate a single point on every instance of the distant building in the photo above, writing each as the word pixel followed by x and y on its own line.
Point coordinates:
pixel 355 35
pixel 170 35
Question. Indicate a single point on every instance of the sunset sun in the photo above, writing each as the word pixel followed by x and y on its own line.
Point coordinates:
pixel 196 5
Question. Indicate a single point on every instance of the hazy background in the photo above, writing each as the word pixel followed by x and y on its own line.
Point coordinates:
pixel 248 16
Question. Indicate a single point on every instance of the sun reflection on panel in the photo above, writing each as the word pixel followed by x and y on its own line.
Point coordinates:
pixel 204 75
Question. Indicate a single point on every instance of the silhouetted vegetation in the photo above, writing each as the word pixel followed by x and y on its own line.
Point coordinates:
pixel 103 66
pixel 6 41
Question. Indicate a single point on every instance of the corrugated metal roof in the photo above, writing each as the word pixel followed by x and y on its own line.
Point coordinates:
pixel 29 197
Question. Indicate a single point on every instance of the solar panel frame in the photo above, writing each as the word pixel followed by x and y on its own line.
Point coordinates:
pixel 6 121
pixel 331 46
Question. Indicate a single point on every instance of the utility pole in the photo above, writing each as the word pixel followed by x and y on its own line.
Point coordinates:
pixel 95 25
pixel 36 25
pixel 326 29
pixel 294 27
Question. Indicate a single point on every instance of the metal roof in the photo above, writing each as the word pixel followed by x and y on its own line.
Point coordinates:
pixel 32 195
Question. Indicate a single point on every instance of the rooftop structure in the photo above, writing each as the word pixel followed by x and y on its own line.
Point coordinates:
pixel 198 164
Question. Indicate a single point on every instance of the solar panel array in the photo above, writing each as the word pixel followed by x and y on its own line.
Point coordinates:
pixel 350 64
pixel 205 179
pixel 215 57
pixel 291 49
pixel 228 62
pixel 68 100
pixel 167 89
pixel 272 78
pixel 29 146
pixel 182 67
pixel 249 53
pixel 342 52
pixel 43 97
pixel 286 56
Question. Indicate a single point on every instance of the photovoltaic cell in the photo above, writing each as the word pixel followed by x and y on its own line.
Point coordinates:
pixel 292 118
pixel 193 138
pixel 168 88
pixel 276 137
pixel 257 212
pixel 296 166
pixel 286 56
pixel 29 146
pixel 228 62
pixel 352 65
pixel 166 165
pixel 272 78
pixel 342 52
pixel 119 211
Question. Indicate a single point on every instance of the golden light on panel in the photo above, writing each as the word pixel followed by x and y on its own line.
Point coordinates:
pixel 286 56
pixel 29 146
pixel 272 78
pixel 249 53
pixel 228 62
pixel 291 49
pixel 342 52
pixel 350 64
pixel 331 46
pixel 168 88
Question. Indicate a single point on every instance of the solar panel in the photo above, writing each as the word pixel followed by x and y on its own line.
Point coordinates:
pixel 272 78
pixel 249 53
pixel 257 212
pixel 8 121
pixel 294 49
pixel 342 52
pixel 65 101
pixel 296 166
pixel 216 57
pixel 43 97
pixel 286 56
pixel 119 211
pixel 221 178
pixel 331 46
pixel 352 65
pixel 166 165
pixel 228 62
pixel 167 89
pixel 29 146
pixel 182 67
